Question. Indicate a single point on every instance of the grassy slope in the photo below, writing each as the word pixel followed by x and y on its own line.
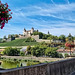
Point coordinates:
pixel 18 42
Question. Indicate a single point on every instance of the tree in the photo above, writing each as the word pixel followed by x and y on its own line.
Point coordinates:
pixel 16 35
pixel 28 50
pixel 5 14
pixel 4 37
pixel 51 52
pixel 22 53
pixel 62 37
pixel 38 51
pixel 9 36
pixel 70 37
pixel 11 51
pixel 69 44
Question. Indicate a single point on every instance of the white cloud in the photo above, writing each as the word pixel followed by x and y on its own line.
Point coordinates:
pixel 64 11
pixel 63 21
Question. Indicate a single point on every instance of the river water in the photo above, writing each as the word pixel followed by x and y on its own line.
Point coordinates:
pixel 9 64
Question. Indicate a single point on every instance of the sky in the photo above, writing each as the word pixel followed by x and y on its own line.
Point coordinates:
pixel 55 16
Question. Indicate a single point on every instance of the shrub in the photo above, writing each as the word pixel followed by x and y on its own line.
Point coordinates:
pixel 38 51
pixel 22 53
pixel 11 51
pixel 60 56
pixel 66 55
pixel 51 52
pixel 29 50
pixel 30 40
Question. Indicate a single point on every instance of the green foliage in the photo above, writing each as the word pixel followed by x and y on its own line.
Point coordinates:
pixel 22 53
pixel 0 40
pixel 66 55
pixel 28 49
pixel 51 52
pixel 60 56
pixel 38 51
pixel 11 51
pixel 4 37
pixel 30 40
pixel 38 33
pixel 70 37
pixel 62 37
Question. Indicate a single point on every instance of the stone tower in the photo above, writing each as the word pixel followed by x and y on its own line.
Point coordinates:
pixel 24 32
pixel 32 30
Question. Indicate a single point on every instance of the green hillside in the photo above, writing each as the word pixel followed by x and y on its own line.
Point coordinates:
pixel 18 42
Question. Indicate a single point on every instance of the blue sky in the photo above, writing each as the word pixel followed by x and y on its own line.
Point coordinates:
pixel 55 16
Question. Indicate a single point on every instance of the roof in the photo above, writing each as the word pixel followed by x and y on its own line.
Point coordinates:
pixel 66 50
pixel 2 50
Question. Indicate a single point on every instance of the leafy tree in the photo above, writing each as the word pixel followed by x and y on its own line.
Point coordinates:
pixel 0 39
pixel 11 51
pixel 38 51
pixel 70 37
pixel 4 37
pixel 62 37
pixel 9 36
pixel 66 55
pixel 29 50
pixel 51 52
pixel 16 35
pixel 22 53
pixel 69 44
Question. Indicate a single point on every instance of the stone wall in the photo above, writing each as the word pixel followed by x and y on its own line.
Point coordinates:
pixel 64 67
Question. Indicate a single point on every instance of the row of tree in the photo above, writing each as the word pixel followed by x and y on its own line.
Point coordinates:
pixel 52 37
pixel 40 50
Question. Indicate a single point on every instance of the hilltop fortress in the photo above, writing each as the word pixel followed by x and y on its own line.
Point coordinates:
pixel 28 33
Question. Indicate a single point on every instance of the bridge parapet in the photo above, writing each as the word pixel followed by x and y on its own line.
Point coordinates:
pixel 64 67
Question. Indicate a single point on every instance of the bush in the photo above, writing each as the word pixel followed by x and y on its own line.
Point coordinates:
pixel 11 51
pixel 66 55
pixel 38 51
pixel 28 49
pixel 51 52
pixel 22 53
pixel 30 40
pixel 60 56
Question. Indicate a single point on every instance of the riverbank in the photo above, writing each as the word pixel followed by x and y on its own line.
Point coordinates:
pixel 40 59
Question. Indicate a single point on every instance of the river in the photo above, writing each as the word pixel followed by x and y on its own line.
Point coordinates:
pixel 9 64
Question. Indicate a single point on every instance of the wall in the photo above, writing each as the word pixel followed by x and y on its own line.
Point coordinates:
pixel 64 67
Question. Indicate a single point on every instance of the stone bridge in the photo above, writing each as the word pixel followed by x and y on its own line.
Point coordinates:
pixel 64 67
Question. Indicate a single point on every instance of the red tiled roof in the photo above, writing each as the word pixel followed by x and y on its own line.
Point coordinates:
pixel 65 50
pixel 2 50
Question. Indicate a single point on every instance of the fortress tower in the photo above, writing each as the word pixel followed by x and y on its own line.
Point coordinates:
pixel 28 32
pixel 32 30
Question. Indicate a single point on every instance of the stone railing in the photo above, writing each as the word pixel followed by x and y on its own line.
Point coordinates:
pixel 64 67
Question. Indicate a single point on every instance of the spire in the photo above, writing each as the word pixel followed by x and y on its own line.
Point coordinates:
pixel 24 29
pixel 48 32
pixel 32 28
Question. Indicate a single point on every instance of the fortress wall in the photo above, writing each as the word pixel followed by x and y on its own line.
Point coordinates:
pixel 36 37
